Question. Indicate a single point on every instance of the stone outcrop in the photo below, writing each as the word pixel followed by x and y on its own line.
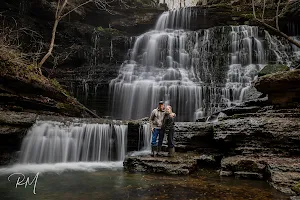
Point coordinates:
pixel 192 136
pixel 181 164
pixel 251 141
pixel 13 127
pixel 281 172
pixel 38 95
pixel 283 88
pixel 273 68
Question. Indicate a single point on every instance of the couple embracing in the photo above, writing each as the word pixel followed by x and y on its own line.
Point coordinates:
pixel 162 122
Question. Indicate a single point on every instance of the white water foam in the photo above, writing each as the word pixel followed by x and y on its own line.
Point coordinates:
pixel 60 167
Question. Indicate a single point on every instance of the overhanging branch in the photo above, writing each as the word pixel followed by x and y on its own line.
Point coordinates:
pixel 291 40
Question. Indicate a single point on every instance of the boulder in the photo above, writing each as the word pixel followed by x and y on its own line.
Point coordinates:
pixel 273 68
pixel 283 88
pixel 180 164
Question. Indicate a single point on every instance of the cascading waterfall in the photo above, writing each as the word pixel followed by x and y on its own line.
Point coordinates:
pixel 197 72
pixel 54 142
pixel 246 49
pixel 175 4
pixel 144 143
pixel 145 137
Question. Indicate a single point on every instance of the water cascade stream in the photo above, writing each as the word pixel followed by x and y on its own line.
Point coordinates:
pixel 54 142
pixel 197 72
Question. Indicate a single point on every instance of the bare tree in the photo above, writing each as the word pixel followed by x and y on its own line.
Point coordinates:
pixel 64 8
pixel 281 8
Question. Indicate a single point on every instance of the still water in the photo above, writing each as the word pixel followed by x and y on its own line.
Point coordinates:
pixel 86 181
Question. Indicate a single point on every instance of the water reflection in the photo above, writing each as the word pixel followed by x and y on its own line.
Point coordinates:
pixel 107 184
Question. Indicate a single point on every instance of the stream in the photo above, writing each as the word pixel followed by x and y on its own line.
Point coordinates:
pixel 111 182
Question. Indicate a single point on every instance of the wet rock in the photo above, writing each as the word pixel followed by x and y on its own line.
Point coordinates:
pixel 240 109
pixel 295 198
pixel 194 136
pixel 20 119
pixel 226 173
pixel 221 116
pixel 252 94
pixel 13 128
pixel 267 133
pixel 283 173
pixel 261 102
pixel 201 119
pixel 248 175
pixel 181 164
pixel 243 164
pixel 207 161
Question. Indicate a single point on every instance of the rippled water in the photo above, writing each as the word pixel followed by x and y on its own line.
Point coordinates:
pixel 116 184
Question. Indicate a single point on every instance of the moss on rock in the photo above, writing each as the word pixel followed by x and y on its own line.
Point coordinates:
pixel 109 32
pixel 273 68
pixel 296 188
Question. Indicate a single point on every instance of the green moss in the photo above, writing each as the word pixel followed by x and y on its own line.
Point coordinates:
pixel 296 188
pixel 270 69
pixel 247 16
pixel 64 106
pixel 222 5
pixel 109 32
pixel 57 86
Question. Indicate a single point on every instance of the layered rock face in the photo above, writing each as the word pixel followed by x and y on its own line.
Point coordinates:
pixel 251 141
pixel 262 145
pixel 13 128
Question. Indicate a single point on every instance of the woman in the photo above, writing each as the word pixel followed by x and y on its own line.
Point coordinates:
pixel 168 128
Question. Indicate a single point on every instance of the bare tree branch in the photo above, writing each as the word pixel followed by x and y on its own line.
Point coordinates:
pixel 277 14
pixel 76 8
pixel 275 29
pixel 253 8
pixel 291 40
pixel 264 8
pixel 59 14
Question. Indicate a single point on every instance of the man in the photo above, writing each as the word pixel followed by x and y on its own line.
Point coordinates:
pixel 156 120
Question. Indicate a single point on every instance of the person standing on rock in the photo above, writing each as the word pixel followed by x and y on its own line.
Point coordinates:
pixel 156 118
pixel 168 128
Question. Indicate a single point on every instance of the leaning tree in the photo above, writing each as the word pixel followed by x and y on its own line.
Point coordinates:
pixel 282 7
pixel 66 7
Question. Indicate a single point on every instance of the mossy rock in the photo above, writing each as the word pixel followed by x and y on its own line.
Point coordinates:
pixel 273 68
pixel 58 87
pixel 296 188
pixel 109 32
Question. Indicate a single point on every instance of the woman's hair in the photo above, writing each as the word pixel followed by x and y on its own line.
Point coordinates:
pixel 170 107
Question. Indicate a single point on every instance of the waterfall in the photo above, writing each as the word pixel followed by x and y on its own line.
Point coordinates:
pixel 54 142
pixel 175 4
pixel 146 137
pixel 144 143
pixel 246 49
pixel 196 72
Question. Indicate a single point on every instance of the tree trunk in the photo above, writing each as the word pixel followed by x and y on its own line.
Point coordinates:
pixel 51 44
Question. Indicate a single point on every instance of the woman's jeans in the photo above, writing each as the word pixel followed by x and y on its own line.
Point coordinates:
pixel 170 134
pixel 157 133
